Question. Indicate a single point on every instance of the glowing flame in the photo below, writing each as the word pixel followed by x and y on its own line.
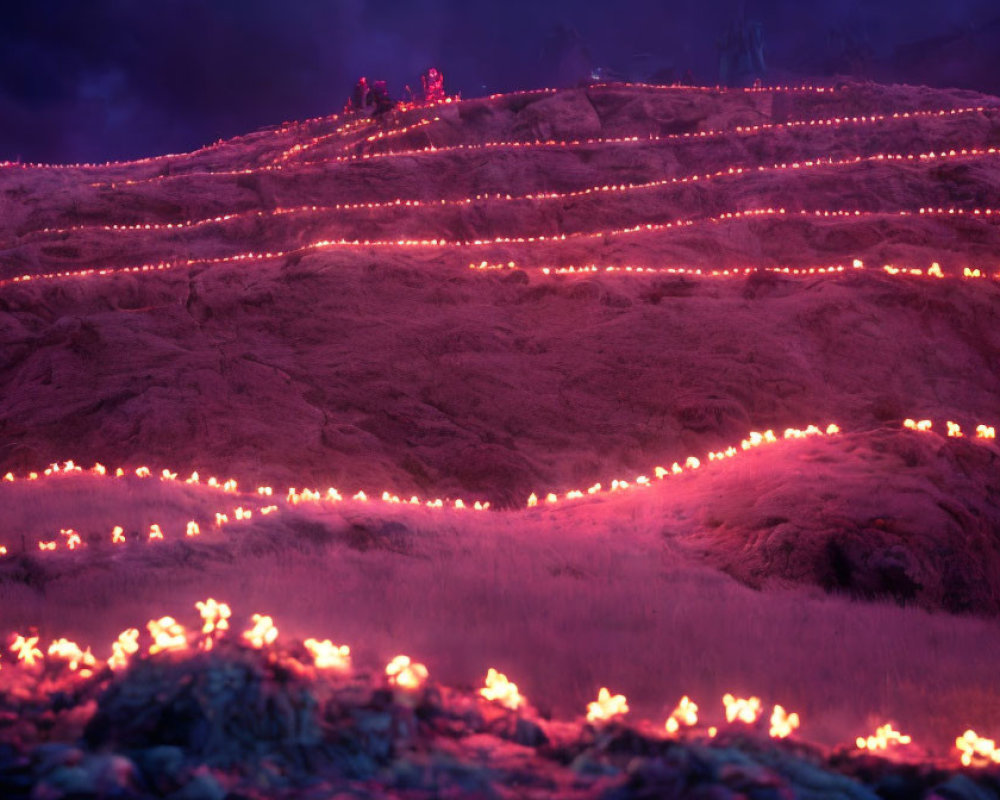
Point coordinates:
pixel 143 472
pixel 262 633
pixel 976 750
pixel 743 709
pixel 26 650
pixel 118 535
pixel 607 706
pixel 501 690
pixel 73 655
pixel 923 425
pixel 986 432
pixel 126 645
pixel 215 619
pixel 192 529
pixel 167 635
pixel 406 674
pixel 155 533
pixel 46 546
pixel 686 714
pixel 327 655
pixel 783 723
pixel 884 736
pixel 73 539
pixel 9 477
pixel 954 430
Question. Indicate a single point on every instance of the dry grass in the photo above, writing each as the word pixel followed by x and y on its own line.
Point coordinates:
pixel 563 601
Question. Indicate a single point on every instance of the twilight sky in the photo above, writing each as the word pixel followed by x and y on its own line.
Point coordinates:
pixel 99 79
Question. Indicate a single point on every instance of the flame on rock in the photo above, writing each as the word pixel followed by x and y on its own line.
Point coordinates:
pixel 923 425
pixel 192 529
pixel 954 430
pixel 607 706
pixel 74 656
pixel 884 736
pixel 783 723
pixel 986 432
pixel 976 750
pixel 215 619
pixel 73 539
pixel 327 655
pixel 262 633
pixel 155 533
pixel 686 714
pixel 126 645
pixel 26 649
pixel 167 635
pixel 501 690
pixel 406 674
pixel 118 535
pixel 743 709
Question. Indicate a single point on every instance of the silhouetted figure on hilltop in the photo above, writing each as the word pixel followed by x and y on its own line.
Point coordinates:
pixel 433 84
pixel 359 97
pixel 379 99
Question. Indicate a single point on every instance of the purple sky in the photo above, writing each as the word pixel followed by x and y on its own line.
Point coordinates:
pixel 97 79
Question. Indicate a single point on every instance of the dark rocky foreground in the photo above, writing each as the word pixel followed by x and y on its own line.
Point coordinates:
pixel 241 723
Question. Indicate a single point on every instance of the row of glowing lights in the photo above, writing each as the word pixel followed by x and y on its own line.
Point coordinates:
pixel 291 126
pixel 72 539
pixel 302 147
pixel 167 635
pixel 651 138
pixel 933 271
pixel 545 144
pixel 726 172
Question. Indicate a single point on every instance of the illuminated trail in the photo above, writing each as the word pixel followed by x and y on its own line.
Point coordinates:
pixel 252 502
pixel 728 172
pixel 404 244
pixel 554 144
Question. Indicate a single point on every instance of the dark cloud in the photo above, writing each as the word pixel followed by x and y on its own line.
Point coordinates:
pixel 96 79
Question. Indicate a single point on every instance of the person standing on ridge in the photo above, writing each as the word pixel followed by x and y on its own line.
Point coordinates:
pixel 433 85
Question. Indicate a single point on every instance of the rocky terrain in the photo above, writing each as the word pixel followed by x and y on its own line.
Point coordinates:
pixel 503 298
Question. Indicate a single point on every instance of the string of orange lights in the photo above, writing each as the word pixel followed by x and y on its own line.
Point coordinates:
pixel 549 144
pixel 742 130
pixel 725 173
pixel 728 217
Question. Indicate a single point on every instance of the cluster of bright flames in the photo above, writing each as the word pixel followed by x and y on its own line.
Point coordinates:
pixel 168 635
